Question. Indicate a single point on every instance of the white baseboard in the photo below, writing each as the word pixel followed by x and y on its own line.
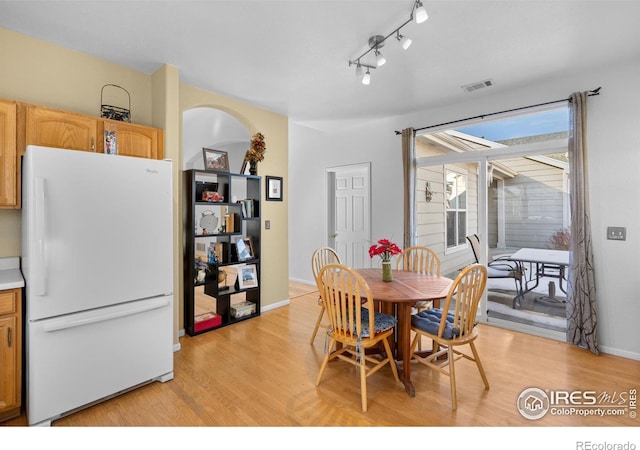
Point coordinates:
pixel 275 305
pixel 298 280
pixel 617 352
pixel 558 336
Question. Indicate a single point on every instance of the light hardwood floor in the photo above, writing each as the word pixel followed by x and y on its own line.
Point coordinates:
pixel 261 372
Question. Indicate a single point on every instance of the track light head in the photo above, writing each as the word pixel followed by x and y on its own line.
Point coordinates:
pixel 420 12
pixel 359 70
pixel 404 41
pixel 366 79
pixel 376 43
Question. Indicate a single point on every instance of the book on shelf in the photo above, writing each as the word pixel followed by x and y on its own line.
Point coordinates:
pixel 243 208
pixel 230 223
pixel 249 208
pixel 219 252
pixel 249 205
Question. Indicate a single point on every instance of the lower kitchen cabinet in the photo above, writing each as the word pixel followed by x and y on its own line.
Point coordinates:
pixel 10 353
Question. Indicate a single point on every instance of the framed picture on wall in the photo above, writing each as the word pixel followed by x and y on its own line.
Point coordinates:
pixel 274 188
pixel 215 159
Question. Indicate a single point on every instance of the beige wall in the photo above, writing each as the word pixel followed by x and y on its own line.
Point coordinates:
pixel 35 71
pixel 38 72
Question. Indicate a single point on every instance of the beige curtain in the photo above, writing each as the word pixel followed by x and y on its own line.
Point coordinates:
pixel 581 294
pixel 408 168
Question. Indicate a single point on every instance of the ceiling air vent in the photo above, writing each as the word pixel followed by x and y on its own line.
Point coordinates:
pixel 478 85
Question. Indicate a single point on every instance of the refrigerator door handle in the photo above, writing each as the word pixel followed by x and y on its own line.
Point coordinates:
pixel 81 319
pixel 40 280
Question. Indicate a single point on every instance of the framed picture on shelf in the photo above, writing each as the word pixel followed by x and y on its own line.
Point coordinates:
pixel 245 164
pixel 274 188
pixel 215 159
pixel 245 251
pixel 249 244
pixel 247 276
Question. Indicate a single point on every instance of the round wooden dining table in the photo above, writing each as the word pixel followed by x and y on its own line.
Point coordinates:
pixel 397 297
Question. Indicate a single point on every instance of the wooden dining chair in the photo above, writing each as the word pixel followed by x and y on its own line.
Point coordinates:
pixel 422 260
pixel 353 326
pixel 419 259
pixel 453 326
pixel 320 258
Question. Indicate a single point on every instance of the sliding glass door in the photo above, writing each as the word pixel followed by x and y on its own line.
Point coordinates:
pixel 513 194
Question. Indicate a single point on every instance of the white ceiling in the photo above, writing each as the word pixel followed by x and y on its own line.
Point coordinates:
pixel 292 57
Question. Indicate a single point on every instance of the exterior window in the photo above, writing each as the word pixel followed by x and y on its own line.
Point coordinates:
pixel 456 208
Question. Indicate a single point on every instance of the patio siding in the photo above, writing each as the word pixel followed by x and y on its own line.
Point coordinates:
pixel 430 216
pixel 534 202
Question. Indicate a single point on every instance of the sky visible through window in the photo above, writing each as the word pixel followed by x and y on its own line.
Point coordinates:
pixel 546 122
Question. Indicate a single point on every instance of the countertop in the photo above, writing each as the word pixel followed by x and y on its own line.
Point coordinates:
pixel 10 275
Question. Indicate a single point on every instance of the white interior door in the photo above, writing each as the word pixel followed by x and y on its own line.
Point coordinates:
pixel 350 214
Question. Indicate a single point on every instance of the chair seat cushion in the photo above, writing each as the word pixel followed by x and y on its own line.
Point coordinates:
pixel 429 321
pixel 382 322
pixel 503 272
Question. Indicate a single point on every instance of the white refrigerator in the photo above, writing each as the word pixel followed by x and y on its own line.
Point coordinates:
pixel 97 258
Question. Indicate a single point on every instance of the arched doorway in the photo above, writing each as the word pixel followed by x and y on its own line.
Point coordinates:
pixel 206 127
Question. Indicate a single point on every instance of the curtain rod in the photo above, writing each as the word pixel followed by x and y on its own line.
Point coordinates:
pixel 589 94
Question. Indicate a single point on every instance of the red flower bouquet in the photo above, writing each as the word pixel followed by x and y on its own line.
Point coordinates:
pixel 385 249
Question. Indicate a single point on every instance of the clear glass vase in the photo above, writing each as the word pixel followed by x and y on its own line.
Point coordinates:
pixel 387 275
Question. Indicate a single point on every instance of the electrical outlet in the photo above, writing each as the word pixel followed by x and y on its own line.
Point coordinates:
pixel 617 233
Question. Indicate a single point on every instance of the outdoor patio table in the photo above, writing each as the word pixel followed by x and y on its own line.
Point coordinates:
pixel 398 297
pixel 544 260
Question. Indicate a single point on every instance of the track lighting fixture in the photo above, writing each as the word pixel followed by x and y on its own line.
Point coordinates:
pixel 418 13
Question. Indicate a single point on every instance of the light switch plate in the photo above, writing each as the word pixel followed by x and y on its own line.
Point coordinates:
pixel 617 233
pixel 267 224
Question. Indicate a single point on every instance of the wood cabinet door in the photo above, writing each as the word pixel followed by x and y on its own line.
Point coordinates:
pixel 8 363
pixel 8 156
pixel 60 129
pixel 134 140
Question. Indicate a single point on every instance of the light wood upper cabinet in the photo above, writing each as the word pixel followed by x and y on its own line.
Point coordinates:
pixel 61 129
pixel 24 124
pixel 10 353
pixel 133 140
pixel 9 169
